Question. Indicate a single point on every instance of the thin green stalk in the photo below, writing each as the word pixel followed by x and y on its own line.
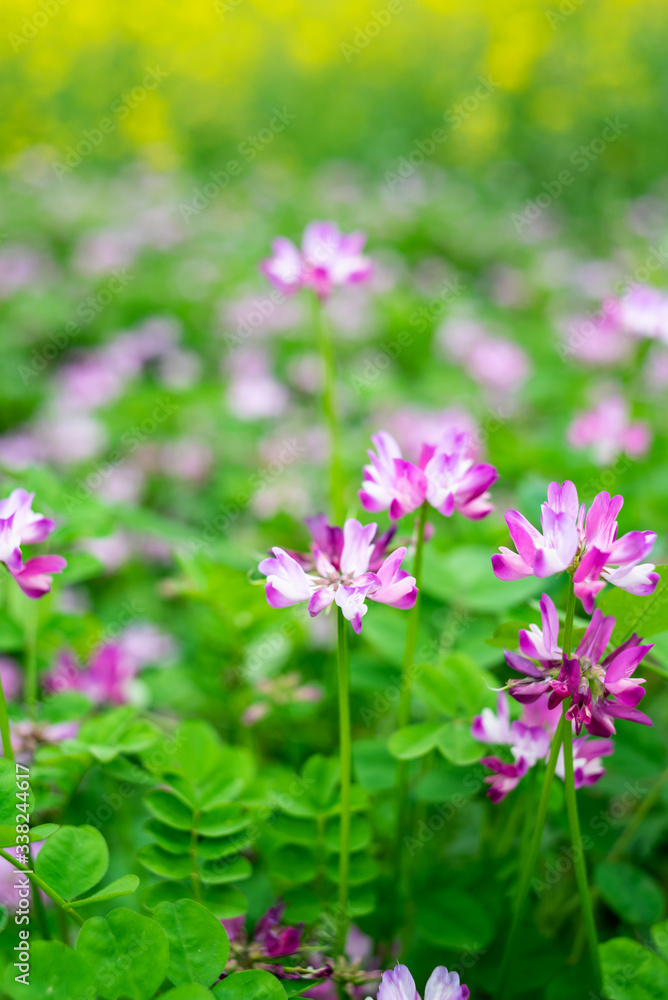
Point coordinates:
pixel 39 909
pixel 345 758
pixel 4 727
pixel 578 852
pixel 331 414
pixel 39 883
pixel 529 865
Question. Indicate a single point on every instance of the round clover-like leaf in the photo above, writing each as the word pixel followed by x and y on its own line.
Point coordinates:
pixel 55 971
pixel 129 954
pixel 73 860
pixel 198 943
pixel 252 985
pixel 632 972
pixel 630 892
pixel 191 991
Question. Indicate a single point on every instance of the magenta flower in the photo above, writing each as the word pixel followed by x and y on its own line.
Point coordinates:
pixel 585 545
pixel 20 525
pixel 602 687
pixel 270 941
pixel 529 740
pixel 608 431
pixel 398 984
pixel 327 258
pixel 447 477
pixel 345 567
pixel 107 679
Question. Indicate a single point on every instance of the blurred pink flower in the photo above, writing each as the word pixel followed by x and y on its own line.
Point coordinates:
pixel 20 525
pixel 113 551
pixel 106 679
pixel 186 458
pixel 597 339
pixel 643 312
pixel 607 431
pixel 19 267
pixel 27 735
pixel 327 258
pixel 11 677
pixel 413 426
pixel 494 362
pixel 276 692
pixel 146 644
pixel 253 392
pixel 70 438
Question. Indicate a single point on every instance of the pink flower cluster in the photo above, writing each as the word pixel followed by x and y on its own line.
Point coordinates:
pixel 20 525
pixel 344 566
pixel 600 685
pixel 279 691
pixel 607 431
pixel 583 542
pixel 448 477
pixel 327 258
pixel 110 676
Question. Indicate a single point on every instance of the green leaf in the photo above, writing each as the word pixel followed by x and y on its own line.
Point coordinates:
pixel 632 972
pixel 170 840
pixel 124 886
pixel 293 864
pixel 198 943
pixel 73 860
pixel 375 767
pixel 414 741
pixel 659 935
pixel 645 615
pixel 456 743
pixel 506 636
pixel 41 832
pixel 451 918
pixel 362 869
pixel 163 863
pixel 295 831
pixel 129 953
pixel 189 992
pixel 630 892
pixel 82 566
pixel 56 971
pixel 199 749
pixel 166 807
pixel 296 988
pixel 360 834
pixel 321 776
pixel 464 575
pixel 222 847
pixel 252 985
pixel 221 821
pixel 225 870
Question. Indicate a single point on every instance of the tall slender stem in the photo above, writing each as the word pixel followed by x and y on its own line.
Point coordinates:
pixel 529 865
pixel 578 852
pixel 413 623
pixel 5 733
pixel 345 758
pixel 39 883
pixel 331 414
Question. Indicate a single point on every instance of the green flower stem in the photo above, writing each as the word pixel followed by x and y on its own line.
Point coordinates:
pixel 39 909
pixel 4 727
pixel 578 853
pixel 331 414
pixel 529 865
pixel 529 862
pixel 39 883
pixel 404 714
pixel 345 758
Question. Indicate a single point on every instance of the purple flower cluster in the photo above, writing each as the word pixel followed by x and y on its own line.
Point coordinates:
pixel 447 476
pixel 20 525
pixel 601 685
pixel 327 258
pixel 345 566
pixel 580 541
